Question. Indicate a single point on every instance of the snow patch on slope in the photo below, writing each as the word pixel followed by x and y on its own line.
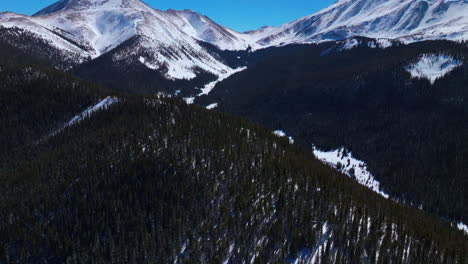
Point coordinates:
pixel 433 67
pixel 371 43
pixel 212 106
pixel 311 256
pixel 210 86
pixel 281 133
pixel 148 64
pixel 384 43
pixel 463 227
pixel 344 162
pixel 103 104
pixel 350 44
pixel 189 100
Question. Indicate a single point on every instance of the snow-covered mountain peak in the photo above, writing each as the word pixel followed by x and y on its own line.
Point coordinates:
pixel 101 25
pixel 84 5
pixel 407 20
pixel 91 28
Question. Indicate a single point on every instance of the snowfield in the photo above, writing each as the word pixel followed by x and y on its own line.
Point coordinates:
pixel 433 67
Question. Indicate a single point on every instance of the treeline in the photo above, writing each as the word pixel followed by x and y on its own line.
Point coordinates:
pixel 36 100
pixel 121 70
pixel 39 49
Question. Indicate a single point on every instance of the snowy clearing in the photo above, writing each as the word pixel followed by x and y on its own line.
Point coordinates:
pixel 344 162
pixel 433 67
pixel 350 44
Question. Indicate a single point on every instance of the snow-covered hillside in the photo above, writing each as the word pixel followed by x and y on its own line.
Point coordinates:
pixel 170 38
pixel 407 20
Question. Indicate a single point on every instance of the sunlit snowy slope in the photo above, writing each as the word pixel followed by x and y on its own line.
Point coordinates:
pixel 407 20
pixel 170 41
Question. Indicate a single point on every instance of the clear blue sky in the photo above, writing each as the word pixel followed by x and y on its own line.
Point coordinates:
pixel 240 15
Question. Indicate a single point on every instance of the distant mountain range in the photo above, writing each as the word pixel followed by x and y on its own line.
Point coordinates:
pixel 169 41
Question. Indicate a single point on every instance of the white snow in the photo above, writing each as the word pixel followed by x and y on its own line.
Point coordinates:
pixel 171 38
pixel 405 20
pixel 210 86
pixel 311 256
pixel 212 106
pixel 281 133
pixel 322 243
pixel 463 227
pixel 384 43
pixel 344 161
pixel 350 44
pixel 168 39
pixel 102 25
pixel 147 64
pixel 433 66
pixel 189 100
pixel 103 104
pixel 231 249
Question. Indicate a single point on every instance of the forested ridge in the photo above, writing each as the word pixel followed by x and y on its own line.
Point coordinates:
pixel 153 180
pixel 36 100
pixel 122 70
pixel 411 133
pixel 37 49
